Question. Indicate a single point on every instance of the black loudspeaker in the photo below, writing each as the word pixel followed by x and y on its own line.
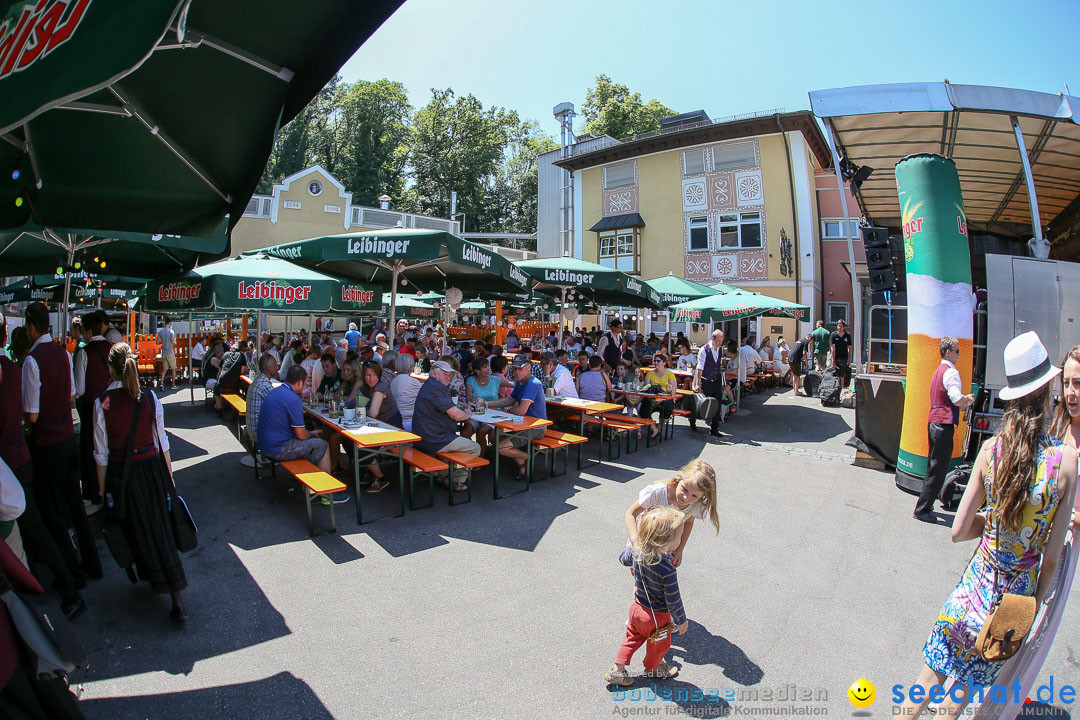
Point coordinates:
pixel 879 258
pixel 875 237
pixel 882 280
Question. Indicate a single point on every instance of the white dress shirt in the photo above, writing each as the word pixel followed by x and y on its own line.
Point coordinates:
pixel 31 378
pixel 101 437
pixel 951 381
pixel 80 368
pixel 197 352
pixel 12 497
pixel 717 354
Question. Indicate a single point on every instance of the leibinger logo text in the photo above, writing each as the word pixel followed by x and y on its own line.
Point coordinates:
pixel 356 294
pixel 633 285
pixel 474 255
pixel 260 290
pixel 179 292
pixel 377 246
pixel 566 277
pixel 518 276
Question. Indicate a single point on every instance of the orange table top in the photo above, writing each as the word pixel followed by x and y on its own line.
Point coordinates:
pixel 527 423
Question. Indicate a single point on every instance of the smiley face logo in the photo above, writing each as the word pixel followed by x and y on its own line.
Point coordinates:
pixel 862 693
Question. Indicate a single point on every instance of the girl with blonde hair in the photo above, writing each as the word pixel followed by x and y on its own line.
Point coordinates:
pixel 692 491
pixel 657 610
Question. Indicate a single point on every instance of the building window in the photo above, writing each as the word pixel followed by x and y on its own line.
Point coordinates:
pixel 698 234
pixel 734 155
pixel 314 187
pixel 618 175
pixel 837 311
pixel 835 229
pixel 739 231
pixel 619 249
pixel 693 162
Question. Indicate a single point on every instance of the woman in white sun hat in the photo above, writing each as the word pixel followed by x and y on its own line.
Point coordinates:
pixel 1022 474
pixel 1026 664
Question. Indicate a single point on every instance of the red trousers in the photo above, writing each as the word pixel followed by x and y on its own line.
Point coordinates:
pixel 638 628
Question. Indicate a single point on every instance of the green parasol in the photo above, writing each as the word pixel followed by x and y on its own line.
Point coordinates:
pixel 254 283
pixel 572 280
pixel 674 290
pixel 427 260
pixel 157 115
pixel 735 306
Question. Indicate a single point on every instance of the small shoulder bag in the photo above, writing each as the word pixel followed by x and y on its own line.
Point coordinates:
pixel 1009 621
pixel 661 633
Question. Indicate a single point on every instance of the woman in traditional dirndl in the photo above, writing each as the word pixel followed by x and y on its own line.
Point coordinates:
pixel 140 505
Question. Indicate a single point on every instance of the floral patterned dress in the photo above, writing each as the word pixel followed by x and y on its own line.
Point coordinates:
pixel 951 647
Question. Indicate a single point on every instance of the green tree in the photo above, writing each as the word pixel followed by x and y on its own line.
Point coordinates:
pixel 372 133
pixel 512 205
pixel 458 146
pixel 611 109
pixel 295 144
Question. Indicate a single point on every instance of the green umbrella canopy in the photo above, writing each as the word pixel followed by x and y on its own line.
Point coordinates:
pixel 24 291
pixel 37 250
pixel 603 285
pixel 157 115
pixel 409 308
pixel 735 306
pixel 428 260
pixel 725 288
pixel 260 283
pixel 675 290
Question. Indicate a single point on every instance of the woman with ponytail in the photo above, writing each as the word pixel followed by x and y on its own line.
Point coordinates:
pixel 138 497
pixel 1022 475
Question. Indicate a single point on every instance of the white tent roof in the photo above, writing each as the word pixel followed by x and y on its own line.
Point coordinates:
pixel 878 125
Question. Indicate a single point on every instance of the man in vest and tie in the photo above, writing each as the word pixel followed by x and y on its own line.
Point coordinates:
pixel 91 381
pixel 48 392
pixel 709 377
pixel 610 346
pixel 946 399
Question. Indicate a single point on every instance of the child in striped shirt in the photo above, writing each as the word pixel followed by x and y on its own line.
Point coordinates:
pixel 657 610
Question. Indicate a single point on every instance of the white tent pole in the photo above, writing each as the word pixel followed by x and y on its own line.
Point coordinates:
pixel 856 289
pixel 393 304
pixel 738 364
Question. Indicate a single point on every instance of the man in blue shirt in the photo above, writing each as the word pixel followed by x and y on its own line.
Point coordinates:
pixel 282 435
pixel 352 337
pixel 527 399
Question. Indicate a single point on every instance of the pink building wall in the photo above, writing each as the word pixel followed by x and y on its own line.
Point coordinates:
pixel 836 282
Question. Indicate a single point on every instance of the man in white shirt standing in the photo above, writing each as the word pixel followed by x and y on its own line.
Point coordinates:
pixel 167 338
pixel 946 400
pixel 709 377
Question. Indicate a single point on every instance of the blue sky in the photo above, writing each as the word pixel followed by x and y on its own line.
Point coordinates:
pixel 724 57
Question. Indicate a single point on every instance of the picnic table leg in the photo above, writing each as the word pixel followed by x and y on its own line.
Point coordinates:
pixel 356 483
pixel 496 482
pixel 581 432
pixel 401 474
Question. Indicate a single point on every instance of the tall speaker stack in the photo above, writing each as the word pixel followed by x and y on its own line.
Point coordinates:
pixel 881 260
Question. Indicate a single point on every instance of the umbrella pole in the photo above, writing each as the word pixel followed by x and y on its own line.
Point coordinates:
pixel 393 304
pixel 66 327
pixel 562 309
pixel 190 371
pixel 738 361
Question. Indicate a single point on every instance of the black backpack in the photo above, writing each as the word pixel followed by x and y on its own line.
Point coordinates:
pixel 829 388
pixel 954 486
pixel 810 383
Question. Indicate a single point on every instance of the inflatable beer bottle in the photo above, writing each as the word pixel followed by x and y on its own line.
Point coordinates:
pixel 939 295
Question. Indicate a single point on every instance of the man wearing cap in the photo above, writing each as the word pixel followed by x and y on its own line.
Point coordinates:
pixel 527 399
pixel 610 347
pixel 435 419
pixel 946 399
pixel 48 388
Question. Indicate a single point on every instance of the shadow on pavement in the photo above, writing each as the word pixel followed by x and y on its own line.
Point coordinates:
pixel 700 647
pixel 282 697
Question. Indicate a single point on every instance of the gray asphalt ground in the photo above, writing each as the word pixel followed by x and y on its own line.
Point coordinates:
pixel 514 608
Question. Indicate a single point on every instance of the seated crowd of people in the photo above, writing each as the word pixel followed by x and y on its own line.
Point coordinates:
pixel 427 385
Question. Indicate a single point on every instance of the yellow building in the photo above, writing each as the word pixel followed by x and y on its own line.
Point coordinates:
pixel 730 201
pixel 312 203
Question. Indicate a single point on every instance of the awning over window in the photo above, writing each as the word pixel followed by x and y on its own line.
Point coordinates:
pixel 618 221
